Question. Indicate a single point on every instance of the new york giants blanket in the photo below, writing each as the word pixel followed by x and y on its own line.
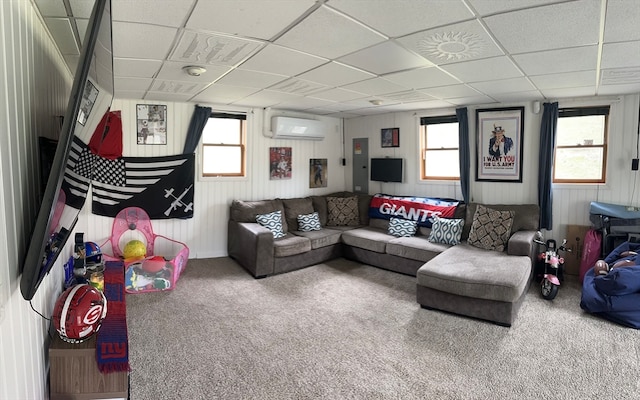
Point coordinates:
pixel 420 209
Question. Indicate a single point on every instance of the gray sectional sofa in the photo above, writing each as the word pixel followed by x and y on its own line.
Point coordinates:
pixel 461 279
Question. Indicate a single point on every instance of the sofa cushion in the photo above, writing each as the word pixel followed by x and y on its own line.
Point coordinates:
pixel 273 222
pixel 321 238
pixel 446 231
pixel 320 205
pixel 309 222
pixel 400 227
pixel 472 272
pixel 526 216
pixel 415 248
pixel 246 211
pixel 290 245
pixel 491 228
pixel 343 211
pixel 367 238
pixel 295 207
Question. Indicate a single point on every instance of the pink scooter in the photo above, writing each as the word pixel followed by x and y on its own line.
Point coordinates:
pixel 553 267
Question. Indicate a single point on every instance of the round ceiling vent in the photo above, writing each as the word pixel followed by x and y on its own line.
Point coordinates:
pixel 451 46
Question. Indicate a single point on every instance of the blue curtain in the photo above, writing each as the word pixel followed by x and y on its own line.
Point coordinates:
pixel 465 157
pixel 198 121
pixel 545 162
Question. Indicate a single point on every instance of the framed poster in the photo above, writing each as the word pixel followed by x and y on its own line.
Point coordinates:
pixel 317 172
pixel 151 121
pixel 279 163
pixel 89 97
pixel 390 137
pixel 499 144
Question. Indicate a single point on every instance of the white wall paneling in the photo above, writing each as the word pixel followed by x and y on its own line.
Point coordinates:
pixel 34 88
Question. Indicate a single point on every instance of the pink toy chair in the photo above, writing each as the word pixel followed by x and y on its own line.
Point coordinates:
pixel 165 258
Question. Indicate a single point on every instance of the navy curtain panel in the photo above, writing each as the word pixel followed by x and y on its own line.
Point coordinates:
pixel 198 121
pixel 463 148
pixel 548 129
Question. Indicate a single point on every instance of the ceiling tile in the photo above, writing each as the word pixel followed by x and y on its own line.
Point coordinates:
pixel 136 84
pixel 565 25
pixel 620 76
pixel 176 87
pixel 129 67
pixel 223 94
pixel 375 86
pixel 384 58
pixel 266 98
pixel 452 43
pixel 503 86
pixel 518 96
pixel 130 94
pixel 81 8
pixel 62 33
pixel 483 70
pixel 329 34
pixel 562 60
pixel 297 86
pixel 253 79
pixel 619 89
pixel 407 96
pixel 157 12
pixel 416 15
pixel 623 21
pixel 472 100
pixel 259 19
pixel 213 49
pixel 82 25
pixel 488 7
pixel 338 95
pixel 565 80
pixel 618 55
pixel 304 103
pixel 51 8
pixel 124 47
pixel 422 105
pixel 422 78
pixel 335 74
pixel 452 91
pixel 554 93
pixel 167 96
pixel 280 60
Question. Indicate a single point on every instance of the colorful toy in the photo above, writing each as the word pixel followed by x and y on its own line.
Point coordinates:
pixel 134 250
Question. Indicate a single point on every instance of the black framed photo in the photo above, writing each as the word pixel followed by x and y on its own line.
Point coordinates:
pixel 499 144
pixel 151 121
pixel 390 137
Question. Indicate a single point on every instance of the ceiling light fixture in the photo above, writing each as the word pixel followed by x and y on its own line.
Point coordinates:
pixel 375 102
pixel 194 70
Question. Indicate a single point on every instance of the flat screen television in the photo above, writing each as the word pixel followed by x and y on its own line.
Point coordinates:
pixel 90 98
pixel 386 169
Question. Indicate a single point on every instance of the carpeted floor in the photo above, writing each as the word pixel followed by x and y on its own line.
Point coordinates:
pixel 342 330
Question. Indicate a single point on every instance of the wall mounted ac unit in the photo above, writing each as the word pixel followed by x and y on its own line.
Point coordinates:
pixel 297 128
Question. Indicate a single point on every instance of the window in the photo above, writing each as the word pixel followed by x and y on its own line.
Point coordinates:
pixel 223 145
pixel 581 145
pixel 440 156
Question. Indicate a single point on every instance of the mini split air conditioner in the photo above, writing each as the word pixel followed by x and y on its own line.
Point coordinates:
pixel 297 128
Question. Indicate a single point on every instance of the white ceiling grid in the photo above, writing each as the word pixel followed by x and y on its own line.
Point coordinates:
pixel 333 57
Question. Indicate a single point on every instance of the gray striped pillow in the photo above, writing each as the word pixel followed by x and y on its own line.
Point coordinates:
pixel 273 222
pixel 447 231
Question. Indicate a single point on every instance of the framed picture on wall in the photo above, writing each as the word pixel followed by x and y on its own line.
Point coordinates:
pixel 151 121
pixel 390 137
pixel 499 144
pixel 279 163
pixel 317 172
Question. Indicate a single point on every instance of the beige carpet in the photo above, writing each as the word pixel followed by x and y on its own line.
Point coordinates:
pixel 342 330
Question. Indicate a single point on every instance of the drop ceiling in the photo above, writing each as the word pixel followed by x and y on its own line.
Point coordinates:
pixel 338 57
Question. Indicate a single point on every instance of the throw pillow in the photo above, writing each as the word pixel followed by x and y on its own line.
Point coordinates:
pixel 402 227
pixel 342 211
pixel 446 231
pixel 491 228
pixel 273 222
pixel 309 222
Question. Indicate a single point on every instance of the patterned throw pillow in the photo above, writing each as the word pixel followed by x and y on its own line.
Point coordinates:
pixel 342 211
pixel 491 228
pixel 446 231
pixel 273 222
pixel 309 222
pixel 402 227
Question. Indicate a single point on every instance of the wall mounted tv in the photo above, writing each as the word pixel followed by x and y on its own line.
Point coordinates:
pixel 90 98
pixel 386 169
